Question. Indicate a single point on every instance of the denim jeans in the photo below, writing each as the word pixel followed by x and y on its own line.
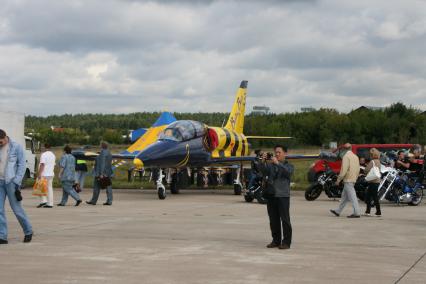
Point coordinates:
pixel 9 190
pixel 67 189
pixel 96 191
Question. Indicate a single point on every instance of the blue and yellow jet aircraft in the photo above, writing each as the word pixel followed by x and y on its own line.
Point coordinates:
pixel 191 144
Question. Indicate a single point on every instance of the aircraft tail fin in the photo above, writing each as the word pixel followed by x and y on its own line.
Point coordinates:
pixel 236 118
pixel 151 135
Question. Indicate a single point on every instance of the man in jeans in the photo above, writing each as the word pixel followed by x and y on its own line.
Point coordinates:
pixel 349 173
pixel 12 170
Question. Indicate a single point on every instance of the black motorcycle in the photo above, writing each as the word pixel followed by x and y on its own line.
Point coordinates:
pixel 327 182
pixel 255 191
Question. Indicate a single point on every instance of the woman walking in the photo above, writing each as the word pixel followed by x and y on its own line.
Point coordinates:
pixel 373 185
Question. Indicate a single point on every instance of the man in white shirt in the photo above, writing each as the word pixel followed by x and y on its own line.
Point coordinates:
pixel 46 170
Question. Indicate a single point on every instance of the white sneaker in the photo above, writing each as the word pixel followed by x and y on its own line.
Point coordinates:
pixel 366 214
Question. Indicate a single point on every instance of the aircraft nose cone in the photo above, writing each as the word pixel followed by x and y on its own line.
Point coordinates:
pixel 138 163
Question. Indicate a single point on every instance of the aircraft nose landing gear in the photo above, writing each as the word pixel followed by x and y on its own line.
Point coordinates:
pixel 161 189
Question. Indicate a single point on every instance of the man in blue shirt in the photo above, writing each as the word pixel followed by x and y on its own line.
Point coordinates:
pixel 12 170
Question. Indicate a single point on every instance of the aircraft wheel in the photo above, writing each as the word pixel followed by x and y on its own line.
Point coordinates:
pixel 237 189
pixel 161 193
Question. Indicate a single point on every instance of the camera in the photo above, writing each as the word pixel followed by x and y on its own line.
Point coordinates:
pixel 269 155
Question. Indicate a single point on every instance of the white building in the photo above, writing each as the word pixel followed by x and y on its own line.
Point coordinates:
pixel 261 110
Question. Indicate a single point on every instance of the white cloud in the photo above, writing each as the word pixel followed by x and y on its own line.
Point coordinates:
pixel 123 56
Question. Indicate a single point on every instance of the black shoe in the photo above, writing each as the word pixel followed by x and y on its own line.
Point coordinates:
pixel 28 238
pixel 283 246
pixel 48 206
pixel 3 242
pixel 106 203
pixel 354 216
pixel 78 202
pixel 272 245
pixel 90 202
pixel 334 212
pixel 41 205
pixel 60 204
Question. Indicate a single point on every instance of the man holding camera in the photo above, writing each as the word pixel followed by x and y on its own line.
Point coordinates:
pixel 12 170
pixel 278 172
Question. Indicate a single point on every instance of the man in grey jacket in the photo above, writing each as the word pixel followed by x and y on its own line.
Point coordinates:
pixel 12 170
pixel 103 168
pixel 278 173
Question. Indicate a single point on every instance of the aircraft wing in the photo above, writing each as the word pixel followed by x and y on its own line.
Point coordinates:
pixel 230 160
pixel 297 156
pixel 124 156
pixel 81 155
pixel 233 160
pixel 268 137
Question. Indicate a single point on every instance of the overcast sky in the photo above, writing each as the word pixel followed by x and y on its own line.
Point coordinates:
pixel 111 56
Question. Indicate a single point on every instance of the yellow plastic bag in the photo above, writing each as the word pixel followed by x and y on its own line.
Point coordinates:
pixel 40 187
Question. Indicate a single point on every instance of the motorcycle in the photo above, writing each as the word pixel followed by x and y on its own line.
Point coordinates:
pixel 255 192
pixel 401 187
pixel 327 182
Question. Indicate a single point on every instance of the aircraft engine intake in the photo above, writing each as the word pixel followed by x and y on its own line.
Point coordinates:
pixel 225 143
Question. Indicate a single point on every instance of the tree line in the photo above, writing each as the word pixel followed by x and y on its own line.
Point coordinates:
pixel 395 124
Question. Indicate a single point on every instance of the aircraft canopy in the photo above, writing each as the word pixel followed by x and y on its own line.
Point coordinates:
pixel 183 130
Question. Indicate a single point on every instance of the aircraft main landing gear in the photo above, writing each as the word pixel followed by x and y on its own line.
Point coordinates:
pixel 238 187
pixel 174 186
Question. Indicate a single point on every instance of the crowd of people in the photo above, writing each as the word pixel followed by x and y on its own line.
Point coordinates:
pixel 276 173
pixel 72 173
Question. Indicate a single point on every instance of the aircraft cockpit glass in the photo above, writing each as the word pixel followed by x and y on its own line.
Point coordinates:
pixel 183 130
pixel 170 134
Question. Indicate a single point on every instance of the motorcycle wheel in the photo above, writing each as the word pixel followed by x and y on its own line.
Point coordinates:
pixel 262 200
pixel 259 197
pixel 313 191
pixel 248 198
pixel 418 199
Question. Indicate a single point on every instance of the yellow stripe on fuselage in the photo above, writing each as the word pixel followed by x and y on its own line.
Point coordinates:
pixel 227 141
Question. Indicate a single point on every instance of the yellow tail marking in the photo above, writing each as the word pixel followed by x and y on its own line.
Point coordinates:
pixel 236 118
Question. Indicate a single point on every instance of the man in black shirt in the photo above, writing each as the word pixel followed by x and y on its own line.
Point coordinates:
pixel 402 162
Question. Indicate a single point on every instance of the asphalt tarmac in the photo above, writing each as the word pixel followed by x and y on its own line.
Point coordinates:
pixel 211 236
